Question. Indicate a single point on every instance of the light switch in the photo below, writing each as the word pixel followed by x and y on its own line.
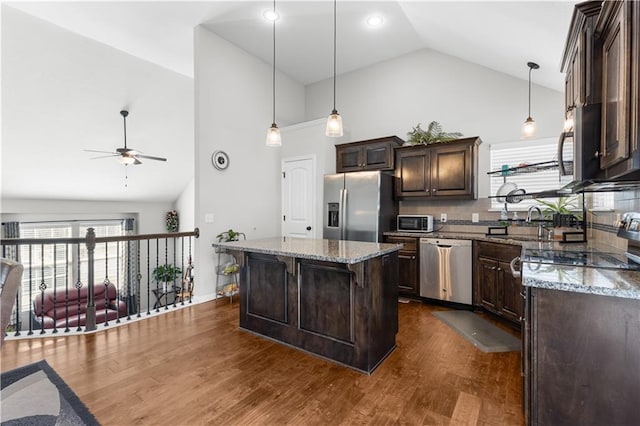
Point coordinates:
pixel 475 217
pixel 208 218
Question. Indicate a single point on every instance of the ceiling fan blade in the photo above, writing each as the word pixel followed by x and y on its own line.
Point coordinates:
pixel 137 162
pixel 149 157
pixel 105 156
pixel 101 152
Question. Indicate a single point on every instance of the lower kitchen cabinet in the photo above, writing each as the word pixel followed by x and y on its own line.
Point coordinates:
pixel 496 289
pixel 408 266
pixel 581 355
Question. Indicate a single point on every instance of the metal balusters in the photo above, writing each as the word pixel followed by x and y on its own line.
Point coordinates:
pixel 106 283
pixel 78 286
pixel 66 287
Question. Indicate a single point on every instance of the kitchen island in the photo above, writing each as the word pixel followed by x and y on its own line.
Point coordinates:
pixel 581 334
pixel 333 298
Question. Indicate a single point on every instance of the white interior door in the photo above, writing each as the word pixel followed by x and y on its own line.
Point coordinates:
pixel 298 195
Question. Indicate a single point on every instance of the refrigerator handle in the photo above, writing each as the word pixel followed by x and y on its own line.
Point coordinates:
pixel 343 213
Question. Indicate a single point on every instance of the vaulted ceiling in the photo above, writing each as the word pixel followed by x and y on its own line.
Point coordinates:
pixel 501 35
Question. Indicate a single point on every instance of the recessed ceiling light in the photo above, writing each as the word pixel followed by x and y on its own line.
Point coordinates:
pixel 270 15
pixel 375 20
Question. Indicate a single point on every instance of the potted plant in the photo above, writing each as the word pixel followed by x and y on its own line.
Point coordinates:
pixel 166 274
pixel 560 212
pixel 229 235
pixel 433 134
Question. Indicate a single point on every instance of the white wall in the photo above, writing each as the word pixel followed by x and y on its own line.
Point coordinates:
pixel 233 111
pixel 62 94
pixel 185 206
pixel 393 96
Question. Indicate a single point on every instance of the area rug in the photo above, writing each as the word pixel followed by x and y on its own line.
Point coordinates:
pixel 36 395
pixel 479 332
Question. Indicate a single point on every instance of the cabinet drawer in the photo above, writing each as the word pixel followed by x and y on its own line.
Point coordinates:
pixel 410 244
pixel 498 251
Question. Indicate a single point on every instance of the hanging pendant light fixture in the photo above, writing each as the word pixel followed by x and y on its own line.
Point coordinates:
pixel 273 134
pixel 334 122
pixel 529 126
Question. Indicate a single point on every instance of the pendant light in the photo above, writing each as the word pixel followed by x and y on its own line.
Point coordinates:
pixel 529 126
pixel 273 134
pixel 334 122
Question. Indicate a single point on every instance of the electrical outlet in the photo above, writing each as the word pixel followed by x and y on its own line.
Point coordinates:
pixel 475 217
pixel 443 217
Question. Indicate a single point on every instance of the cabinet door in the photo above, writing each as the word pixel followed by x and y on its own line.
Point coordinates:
pixel 348 158
pixel 488 281
pixel 615 90
pixel 407 264
pixel 408 273
pixel 511 306
pixel 413 172
pixel 452 171
pixel 377 156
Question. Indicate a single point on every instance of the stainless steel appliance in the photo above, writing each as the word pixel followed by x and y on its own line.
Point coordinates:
pixel 582 163
pixel 445 269
pixel 358 206
pixel 415 223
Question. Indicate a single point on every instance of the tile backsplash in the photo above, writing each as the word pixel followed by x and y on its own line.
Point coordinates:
pixel 601 225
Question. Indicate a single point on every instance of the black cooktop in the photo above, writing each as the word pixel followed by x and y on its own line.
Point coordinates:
pixel 592 259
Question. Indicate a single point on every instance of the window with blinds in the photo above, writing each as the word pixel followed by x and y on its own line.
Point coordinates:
pixel 63 265
pixel 519 153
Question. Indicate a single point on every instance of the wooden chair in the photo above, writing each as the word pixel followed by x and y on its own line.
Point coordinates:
pixel 186 291
pixel 10 277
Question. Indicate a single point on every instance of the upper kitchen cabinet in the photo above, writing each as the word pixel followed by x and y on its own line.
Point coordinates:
pixel 618 33
pixel 443 170
pixel 372 154
pixel 581 58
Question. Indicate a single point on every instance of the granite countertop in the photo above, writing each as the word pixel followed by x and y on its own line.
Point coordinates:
pixel 337 251
pixel 606 278
pixel 505 239
pixel 602 280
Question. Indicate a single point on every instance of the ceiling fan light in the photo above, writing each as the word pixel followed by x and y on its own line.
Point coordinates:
pixel 334 125
pixel 127 160
pixel 273 136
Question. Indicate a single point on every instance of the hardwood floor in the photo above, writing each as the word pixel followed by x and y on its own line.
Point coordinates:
pixel 194 366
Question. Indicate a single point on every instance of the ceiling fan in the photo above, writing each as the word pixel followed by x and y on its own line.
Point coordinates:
pixel 127 155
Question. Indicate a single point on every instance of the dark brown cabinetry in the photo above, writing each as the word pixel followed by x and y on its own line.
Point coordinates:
pixel 580 356
pixel 602 88
pixel 618 33
pixel 373 154
pixel 443 170
pixel 408 266
pixel 496 289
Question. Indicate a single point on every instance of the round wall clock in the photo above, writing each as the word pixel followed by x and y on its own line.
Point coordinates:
pixel 220 160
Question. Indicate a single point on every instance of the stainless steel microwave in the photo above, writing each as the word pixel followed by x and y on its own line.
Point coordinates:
pixel 415 223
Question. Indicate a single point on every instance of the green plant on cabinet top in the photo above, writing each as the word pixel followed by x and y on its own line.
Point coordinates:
pixel 433 134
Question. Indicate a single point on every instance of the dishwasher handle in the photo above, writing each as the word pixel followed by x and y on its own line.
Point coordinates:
pixel 515 272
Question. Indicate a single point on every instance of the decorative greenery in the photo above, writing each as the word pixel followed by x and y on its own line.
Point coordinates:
pixel 562 205
pixel 229 235
pixel 433 134
pixel 166 273
pixel 172 221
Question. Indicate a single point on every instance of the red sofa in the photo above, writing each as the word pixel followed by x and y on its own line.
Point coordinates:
pixel 54 311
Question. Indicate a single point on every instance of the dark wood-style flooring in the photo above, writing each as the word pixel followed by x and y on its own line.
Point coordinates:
pixel 194 366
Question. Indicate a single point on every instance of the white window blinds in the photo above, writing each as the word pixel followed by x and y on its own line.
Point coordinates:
pixel 519 153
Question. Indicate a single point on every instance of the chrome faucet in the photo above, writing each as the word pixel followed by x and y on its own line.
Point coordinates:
pixel 540 227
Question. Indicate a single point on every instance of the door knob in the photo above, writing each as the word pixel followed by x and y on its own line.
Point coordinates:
pixel 308 228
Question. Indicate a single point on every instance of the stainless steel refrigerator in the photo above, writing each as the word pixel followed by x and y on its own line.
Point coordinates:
pixel 358 206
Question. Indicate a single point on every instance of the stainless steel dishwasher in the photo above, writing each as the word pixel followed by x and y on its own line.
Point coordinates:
pixel 445 269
